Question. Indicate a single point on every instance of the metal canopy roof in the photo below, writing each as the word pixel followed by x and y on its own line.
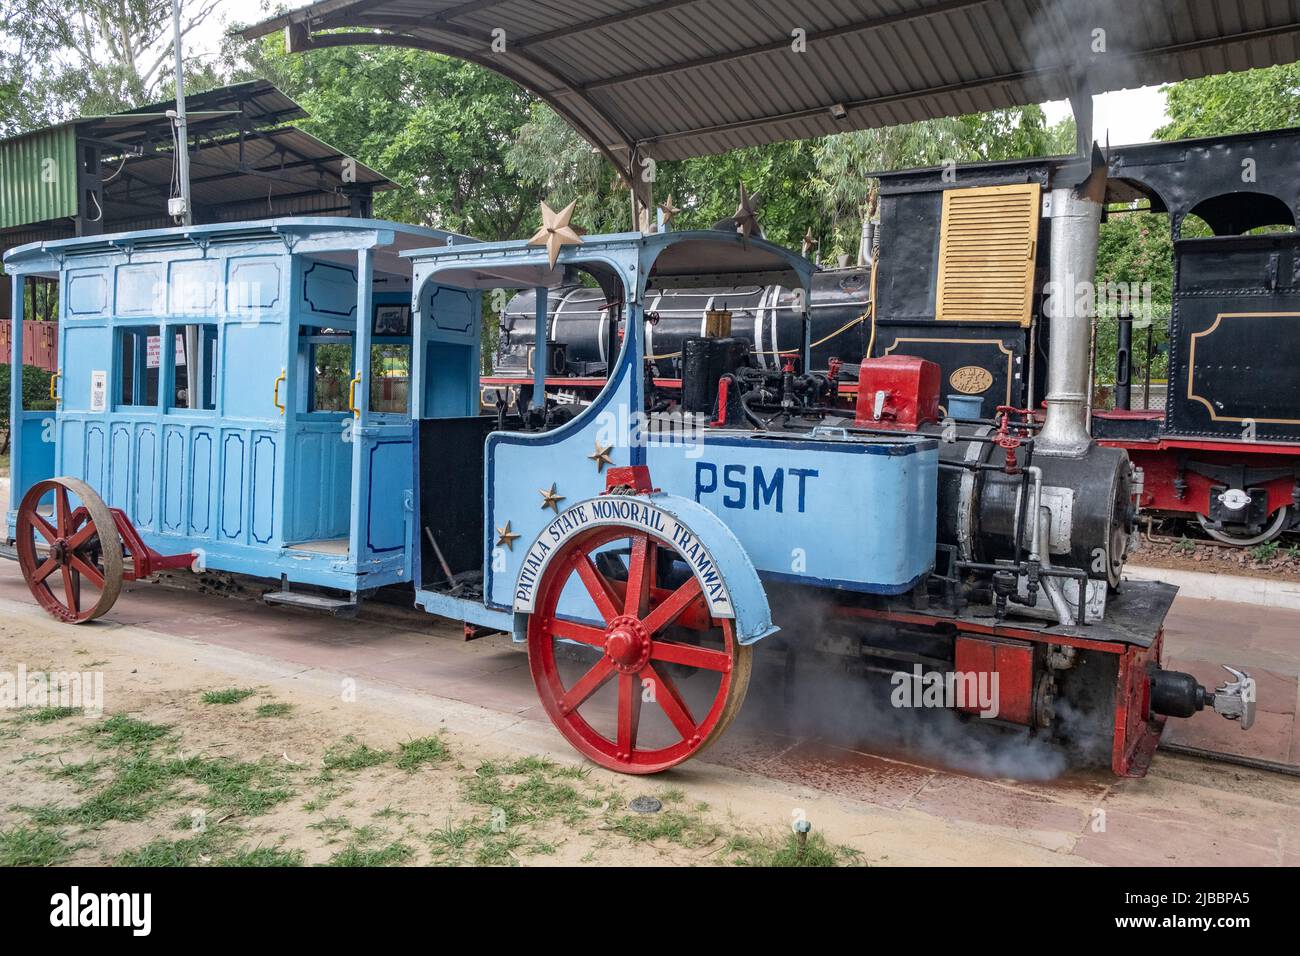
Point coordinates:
pixel 677 78
pixel 244 165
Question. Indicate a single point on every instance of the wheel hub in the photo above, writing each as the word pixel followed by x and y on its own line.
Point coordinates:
pixel 627 644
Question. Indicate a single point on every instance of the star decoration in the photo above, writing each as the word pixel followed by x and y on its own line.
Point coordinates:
pixel 746 218
pixel 556 232
pixel 809 242
pixel 506 536
pixel 668 209
pixel 550 499
pixel 601 458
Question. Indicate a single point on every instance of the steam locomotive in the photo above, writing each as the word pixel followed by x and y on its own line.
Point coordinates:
pixel 1224 451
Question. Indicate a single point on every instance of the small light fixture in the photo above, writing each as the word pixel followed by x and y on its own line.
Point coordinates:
pixel 839 112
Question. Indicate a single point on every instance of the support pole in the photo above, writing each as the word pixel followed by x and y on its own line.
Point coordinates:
pixel 16 393
pixel 1124 363
pixel 360 505
pixel 541 350
pixel 182 130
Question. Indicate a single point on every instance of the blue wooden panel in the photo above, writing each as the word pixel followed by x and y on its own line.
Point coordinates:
pixel 194 287
pixel 173 478
pixel 264 489
pixel 253 284
pixel 118 492
pixel 451 385
pixel 83 351
pixel 251 360
pixel 390 470
pixel 87 292
pixel 37 459
pixel 70 455
pixel 141 289
pixel 232 485
pixel 452 310
pixel 201 474
pixel 310 487
pixel 328 290
pixel 146 457
pixel 93 470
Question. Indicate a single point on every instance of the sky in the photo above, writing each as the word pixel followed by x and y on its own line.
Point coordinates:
pixel 1128 116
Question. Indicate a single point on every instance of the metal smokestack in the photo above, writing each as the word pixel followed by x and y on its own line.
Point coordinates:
pixel 1076 224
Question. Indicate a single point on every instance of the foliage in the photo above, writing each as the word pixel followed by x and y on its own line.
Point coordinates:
pixel 1226 103
pixel 440 127
pixel 89 57
pixel 36 391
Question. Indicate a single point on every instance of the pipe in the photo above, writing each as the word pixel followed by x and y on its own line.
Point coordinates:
pixel 1076 225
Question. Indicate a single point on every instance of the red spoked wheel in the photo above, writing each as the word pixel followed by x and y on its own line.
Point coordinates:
pixel 70 553
pixel 657 682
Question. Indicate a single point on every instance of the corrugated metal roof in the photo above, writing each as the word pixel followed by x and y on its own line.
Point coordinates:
pixel 680 78
pixel 38 178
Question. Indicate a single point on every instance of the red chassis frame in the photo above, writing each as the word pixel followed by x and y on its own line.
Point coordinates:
pixel 1136 729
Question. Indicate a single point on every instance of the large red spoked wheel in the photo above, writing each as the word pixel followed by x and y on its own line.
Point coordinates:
pixel 653 686
pixel 72 560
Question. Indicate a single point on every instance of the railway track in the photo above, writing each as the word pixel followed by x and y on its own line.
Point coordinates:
pixel 1235 760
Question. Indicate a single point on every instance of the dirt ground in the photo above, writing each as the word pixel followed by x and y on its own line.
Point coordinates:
pixel 239 764
pixel 316 767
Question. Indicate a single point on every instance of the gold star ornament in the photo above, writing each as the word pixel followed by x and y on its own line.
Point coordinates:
pixel 809 243
pixel 601 457
pixel 746 218
pixel 550 499
pixel 668 209
pixel 556 232
pixel 506 536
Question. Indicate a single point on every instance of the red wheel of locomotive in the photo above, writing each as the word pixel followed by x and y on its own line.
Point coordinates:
pixel 651 638
pixel 79 551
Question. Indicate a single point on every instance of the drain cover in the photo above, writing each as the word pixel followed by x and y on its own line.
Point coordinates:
pixel 645 805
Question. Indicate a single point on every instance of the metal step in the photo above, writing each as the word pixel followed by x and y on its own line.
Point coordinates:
pixel 338 607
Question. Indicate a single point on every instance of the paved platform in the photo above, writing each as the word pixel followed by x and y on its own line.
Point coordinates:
pixel 1169 817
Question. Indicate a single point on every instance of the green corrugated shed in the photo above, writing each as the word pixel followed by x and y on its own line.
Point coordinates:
pixel 38 176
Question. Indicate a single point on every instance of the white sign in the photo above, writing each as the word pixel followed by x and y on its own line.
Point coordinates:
pixel 635 513
pixel 153 351
pixel 98 391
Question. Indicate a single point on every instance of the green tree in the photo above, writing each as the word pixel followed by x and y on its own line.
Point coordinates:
pixel 1245 102
pixel 89 57
pixel 440 127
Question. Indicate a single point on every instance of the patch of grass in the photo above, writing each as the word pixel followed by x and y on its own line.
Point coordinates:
pixel 536 797
pixel 416 753
pixel 230 695
pixel 673 826
pixel 453 838
pixel 331 825
pixel 47 715
pixel 121 730
pixel 1183 545
pixel 200 849
pixel 390 855
pixel 82 775
pixel 274 710
pixel 264 856
pixel 142 783
pixel 32 846
pixel 748 851
pixel 1263 552
pixel 672 795
pixel 340 757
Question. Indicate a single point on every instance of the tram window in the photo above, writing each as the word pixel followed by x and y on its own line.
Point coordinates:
pixel 390 378
pixel 138 365
pixel 329 354
pixel 194 374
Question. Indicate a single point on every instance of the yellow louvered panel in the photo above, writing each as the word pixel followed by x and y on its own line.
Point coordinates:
pixel 986 254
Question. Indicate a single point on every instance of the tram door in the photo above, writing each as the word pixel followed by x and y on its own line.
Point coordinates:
pixel 349 444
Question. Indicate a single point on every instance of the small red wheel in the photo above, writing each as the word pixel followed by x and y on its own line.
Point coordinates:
pixel 651 637
pixel 81 547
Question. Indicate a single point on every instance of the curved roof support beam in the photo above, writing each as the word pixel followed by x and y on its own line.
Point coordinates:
pixel 300 38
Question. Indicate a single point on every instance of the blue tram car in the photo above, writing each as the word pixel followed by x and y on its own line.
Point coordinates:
pixel 223 405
